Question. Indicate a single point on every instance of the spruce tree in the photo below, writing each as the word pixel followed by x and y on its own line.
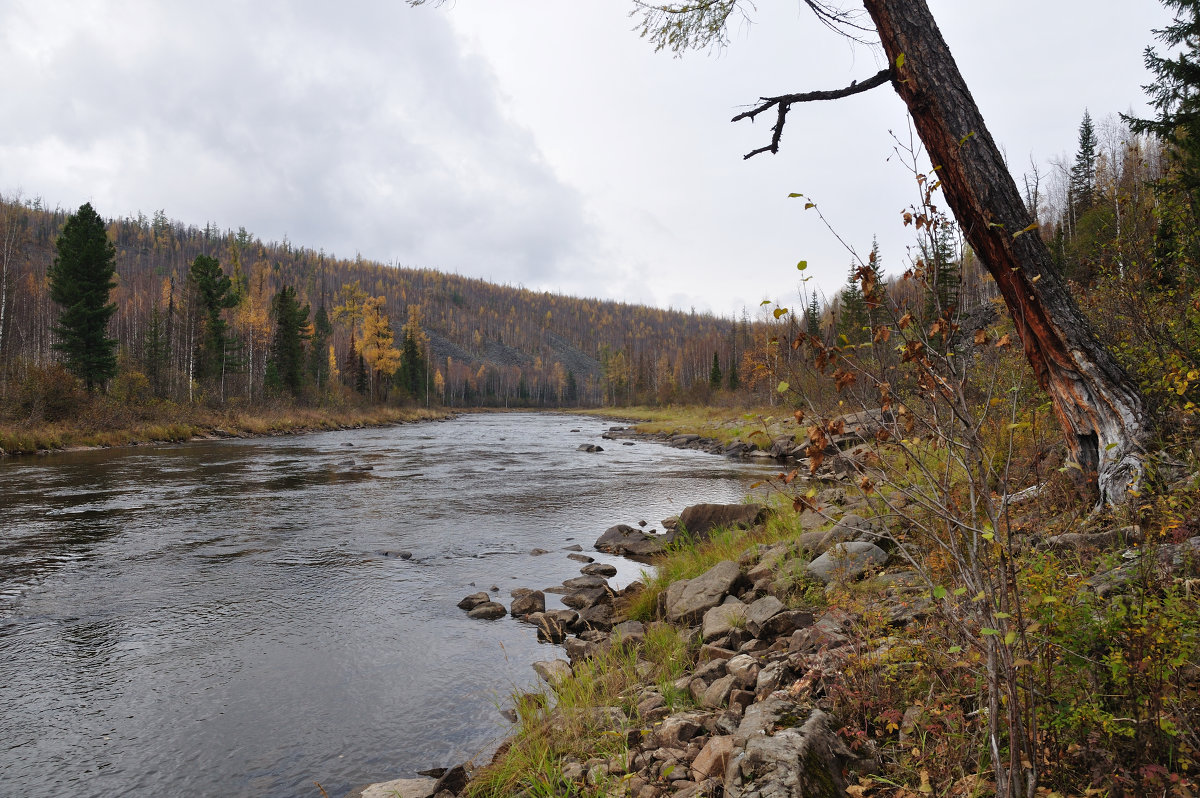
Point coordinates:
pixel 287 343
pixel 812 317
pixel 714 374
pixel 156 353
pixel 318 360
pixel 1083 173
pixel 1175 92
pixel 216 294
pixel 854 316
pixel 81 280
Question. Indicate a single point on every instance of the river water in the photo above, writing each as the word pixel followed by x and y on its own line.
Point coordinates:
pixel 215 618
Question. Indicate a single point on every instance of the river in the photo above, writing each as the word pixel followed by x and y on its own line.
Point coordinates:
pixel 214 618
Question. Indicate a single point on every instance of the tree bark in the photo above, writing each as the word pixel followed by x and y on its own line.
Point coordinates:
pixel 1097 404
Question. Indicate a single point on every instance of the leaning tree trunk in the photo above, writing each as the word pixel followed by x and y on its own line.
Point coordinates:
pixel 1097 404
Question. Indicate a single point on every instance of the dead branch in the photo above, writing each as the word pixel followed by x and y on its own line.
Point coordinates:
pixel 785 102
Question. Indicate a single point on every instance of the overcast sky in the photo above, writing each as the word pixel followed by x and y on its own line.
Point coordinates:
pixel 532 142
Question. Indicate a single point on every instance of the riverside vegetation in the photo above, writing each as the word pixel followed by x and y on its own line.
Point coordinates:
pixel 831 643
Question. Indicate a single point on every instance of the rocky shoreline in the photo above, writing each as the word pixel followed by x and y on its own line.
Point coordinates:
pixel 764 664
pixel 751 650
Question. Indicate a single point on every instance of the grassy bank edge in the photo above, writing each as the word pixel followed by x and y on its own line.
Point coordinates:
pixel 172 423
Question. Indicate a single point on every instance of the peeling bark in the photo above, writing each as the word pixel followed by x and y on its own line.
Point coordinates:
pixel 1098 406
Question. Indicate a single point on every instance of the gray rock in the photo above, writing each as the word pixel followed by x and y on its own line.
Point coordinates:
pixel 584 582
pixel 580 557
pixel 713 759
pixel 718 692
pixel 582 599
pixel 589 447
pixel 762 611
pixel 453 781
pixel 554 672
pixel 744 670
pixel 688 600
pixel 847 561
pixel 677 730
pixel 488 611
pixel 528 603
pixel 474 600
pixel 785 623
pixel 721 619
pixel 398 788
pixel 627 541
pixel 633 631
pixel 599 569
pixel 700 520
pixel 781 750
pixel 538 552
pixel 598 617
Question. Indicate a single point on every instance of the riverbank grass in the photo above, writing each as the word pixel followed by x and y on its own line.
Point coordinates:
pixel 103 422
pixel 586 720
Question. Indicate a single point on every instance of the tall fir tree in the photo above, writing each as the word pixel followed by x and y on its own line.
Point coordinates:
pixel 287 343
pixel 215 289
pixel 413 364
pixel 318 361
pixel 812 317
pixel 714 374
pixel 853 315
pixel 1083 172
pixel 1175 92
pixel 156 353
pixel 82 277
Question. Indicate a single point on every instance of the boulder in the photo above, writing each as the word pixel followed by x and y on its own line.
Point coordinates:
pixel 553 671
pixel 762 611
pixel 722 618
pixel 598 617
pixel 744 670
pixel 781 757
pixel 580 557
pixel 713 758
pixel 582 599
pixel 633 631
pixel 585 582
pixel 847 561
pixel 453 781
pixel 474 600
pixel 718 692
pixel 401 788
pixel 785 623
pixel 629 542
pixel 528 603
pixel 688 600
pixel 677 730
pixel 599 569
pixel 700 520
pixel 488 611
pixel 589 447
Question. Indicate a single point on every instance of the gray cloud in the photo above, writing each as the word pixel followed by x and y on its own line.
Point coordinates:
pixel 354 127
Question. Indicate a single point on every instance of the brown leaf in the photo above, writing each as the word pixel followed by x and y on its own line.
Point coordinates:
pixel 882 435
pixel 865 485
pixel 882 334
pixel 981 337
pixel 799 414
pixel 1005 340
pixel 904 321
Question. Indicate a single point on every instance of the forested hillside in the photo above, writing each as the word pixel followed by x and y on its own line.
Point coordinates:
pixel 477 343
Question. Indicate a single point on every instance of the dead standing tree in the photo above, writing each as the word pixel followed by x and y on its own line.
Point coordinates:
pixel 1098 406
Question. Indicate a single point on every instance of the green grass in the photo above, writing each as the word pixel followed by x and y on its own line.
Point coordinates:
pixel 570 722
